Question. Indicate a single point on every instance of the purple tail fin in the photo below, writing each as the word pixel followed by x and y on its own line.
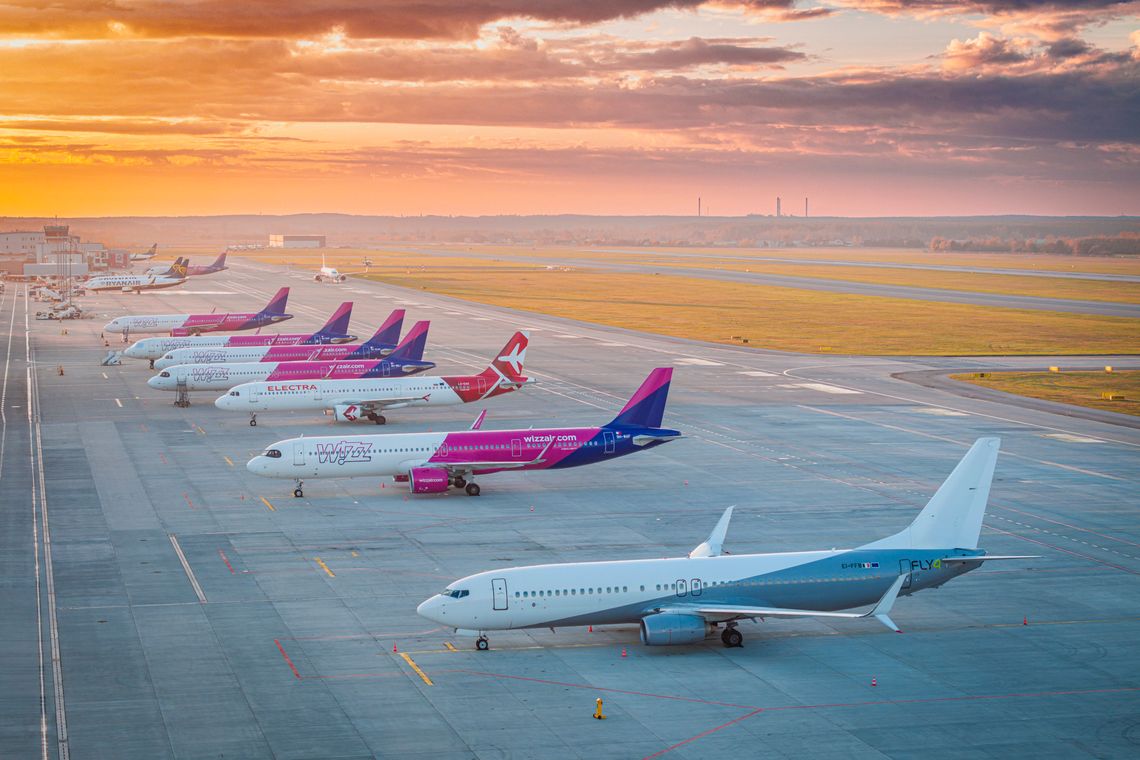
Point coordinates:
pixel 647 406
pixel 337 326
pixel 277 304
pixel 412 346
pixel 389 332
pixel 220 262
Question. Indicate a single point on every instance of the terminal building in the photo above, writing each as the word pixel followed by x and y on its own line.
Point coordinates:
pixel 296 241
pixel 54 251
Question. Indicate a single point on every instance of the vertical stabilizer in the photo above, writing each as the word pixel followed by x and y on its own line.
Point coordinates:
pixel 647 405
pixel 389 332
pixel 953 516
pixel 412 346
pixel 220 262
pixel 277 304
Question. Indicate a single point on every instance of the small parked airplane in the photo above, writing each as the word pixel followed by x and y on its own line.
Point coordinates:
pixel 377 347
pixel 434 462
pixel 684 600
pixel 334 331
pixel 149 254
pixel 179 325
pixel 137 283
pixel 407 359
pixel 218 265
pixel 367 398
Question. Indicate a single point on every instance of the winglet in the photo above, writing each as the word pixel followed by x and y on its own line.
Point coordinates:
pixel 712 545
pixel 478 423
pixel 882 610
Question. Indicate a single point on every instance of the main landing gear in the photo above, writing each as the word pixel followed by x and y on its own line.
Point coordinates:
pixel 731 637
pixel 459 481
pixel 482 644
pixel 298 492
pixel 253 420
pixel 379 419
pixel 152 363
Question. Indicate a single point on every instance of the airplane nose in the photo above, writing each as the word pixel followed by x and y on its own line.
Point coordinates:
pixel 222 402
pixel 255 465
pixel 155 382
pixel 429 609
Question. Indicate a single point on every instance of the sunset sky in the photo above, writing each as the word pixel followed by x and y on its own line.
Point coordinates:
pixel 870 107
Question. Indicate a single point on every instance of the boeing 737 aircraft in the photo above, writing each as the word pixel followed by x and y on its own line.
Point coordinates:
pixel 334 331
pixel 377 347
pixel 351 400
pixel 179 325
pixel 434 462
pixel 148 254
pixel 683 600
pixel 218 265
pixel 137 283
pixel 169 269
pixel 407 359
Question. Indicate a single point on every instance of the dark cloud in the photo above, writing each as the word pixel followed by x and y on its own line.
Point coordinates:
pixel 391 19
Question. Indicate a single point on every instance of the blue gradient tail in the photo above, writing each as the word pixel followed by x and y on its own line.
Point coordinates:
pixel 647 406
pixel 276 305
pixel 412 346
pixel 220 262
pixel 389 332
pixel 336 327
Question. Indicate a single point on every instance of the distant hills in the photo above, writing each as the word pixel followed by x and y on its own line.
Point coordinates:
pixel 967 233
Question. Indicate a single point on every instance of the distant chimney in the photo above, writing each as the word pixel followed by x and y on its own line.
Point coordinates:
pixel 778 206
pixel 805 208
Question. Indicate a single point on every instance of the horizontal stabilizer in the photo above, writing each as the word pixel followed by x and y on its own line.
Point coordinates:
pixel 645 440
pixel 988 557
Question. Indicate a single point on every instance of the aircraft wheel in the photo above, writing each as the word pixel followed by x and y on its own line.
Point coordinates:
pixel 472 489
pixel 253 423
pixel 732 638
pixel 459 481
pixel 380 419
pixel 482 644
pixel 298 493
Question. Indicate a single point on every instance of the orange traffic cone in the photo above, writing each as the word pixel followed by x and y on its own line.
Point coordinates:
pixel 1025 620
pixel 590 629
pixel 874 681
pixel 623 651
pixel 394 649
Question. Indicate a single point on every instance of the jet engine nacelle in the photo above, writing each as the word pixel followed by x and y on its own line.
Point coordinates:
pixel 347 412
pixel 667 629
pixel 428 480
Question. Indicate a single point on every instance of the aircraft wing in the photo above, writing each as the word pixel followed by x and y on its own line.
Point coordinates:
pixel 881 610
pixel 462 467
pixel 376 405
pixel 987 557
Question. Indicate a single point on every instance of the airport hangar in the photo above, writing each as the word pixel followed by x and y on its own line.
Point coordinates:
pixel 162 602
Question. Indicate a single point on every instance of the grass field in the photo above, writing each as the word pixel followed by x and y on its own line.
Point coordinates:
pixel 1079 388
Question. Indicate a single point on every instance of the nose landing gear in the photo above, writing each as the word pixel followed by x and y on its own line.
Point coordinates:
pixel 482 644
pixel 253 420
pixel 298 492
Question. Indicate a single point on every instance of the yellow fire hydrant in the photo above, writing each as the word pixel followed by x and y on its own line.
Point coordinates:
pixel 598 710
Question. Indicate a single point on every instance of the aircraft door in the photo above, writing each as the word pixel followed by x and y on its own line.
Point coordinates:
pixel 516 448
pixel 254 396
pixel 682 587
pixel 386 367
pixel 499 592
pixel 904 567
pixel 608 436
pixel 299 453
pixel 695 586
pixel 481 384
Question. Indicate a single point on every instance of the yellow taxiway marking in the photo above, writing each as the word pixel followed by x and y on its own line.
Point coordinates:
pixel 356 554
pixel 104 374
pixel 325 567
pixel 120 403
pixel 229 461
pixel 450 646
pixel 408 659
pixel 265 501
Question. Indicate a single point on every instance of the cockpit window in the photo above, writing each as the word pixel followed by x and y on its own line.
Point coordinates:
pixel 164 373
pixel 273 453
pixel 458 593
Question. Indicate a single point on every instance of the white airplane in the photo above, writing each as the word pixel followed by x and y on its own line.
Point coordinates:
pixel 328 274
pixel 367 398
pixel 144 256
pixel 137 283
pixel 684 600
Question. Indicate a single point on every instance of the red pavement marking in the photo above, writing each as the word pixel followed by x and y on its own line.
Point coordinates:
pixel 287 660
pixel 188 501
pixel 703 734
pixel 162 457
pixel 226 560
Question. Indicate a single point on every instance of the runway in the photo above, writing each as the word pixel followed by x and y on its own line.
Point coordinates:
pixel 162 602
pixel 997 300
